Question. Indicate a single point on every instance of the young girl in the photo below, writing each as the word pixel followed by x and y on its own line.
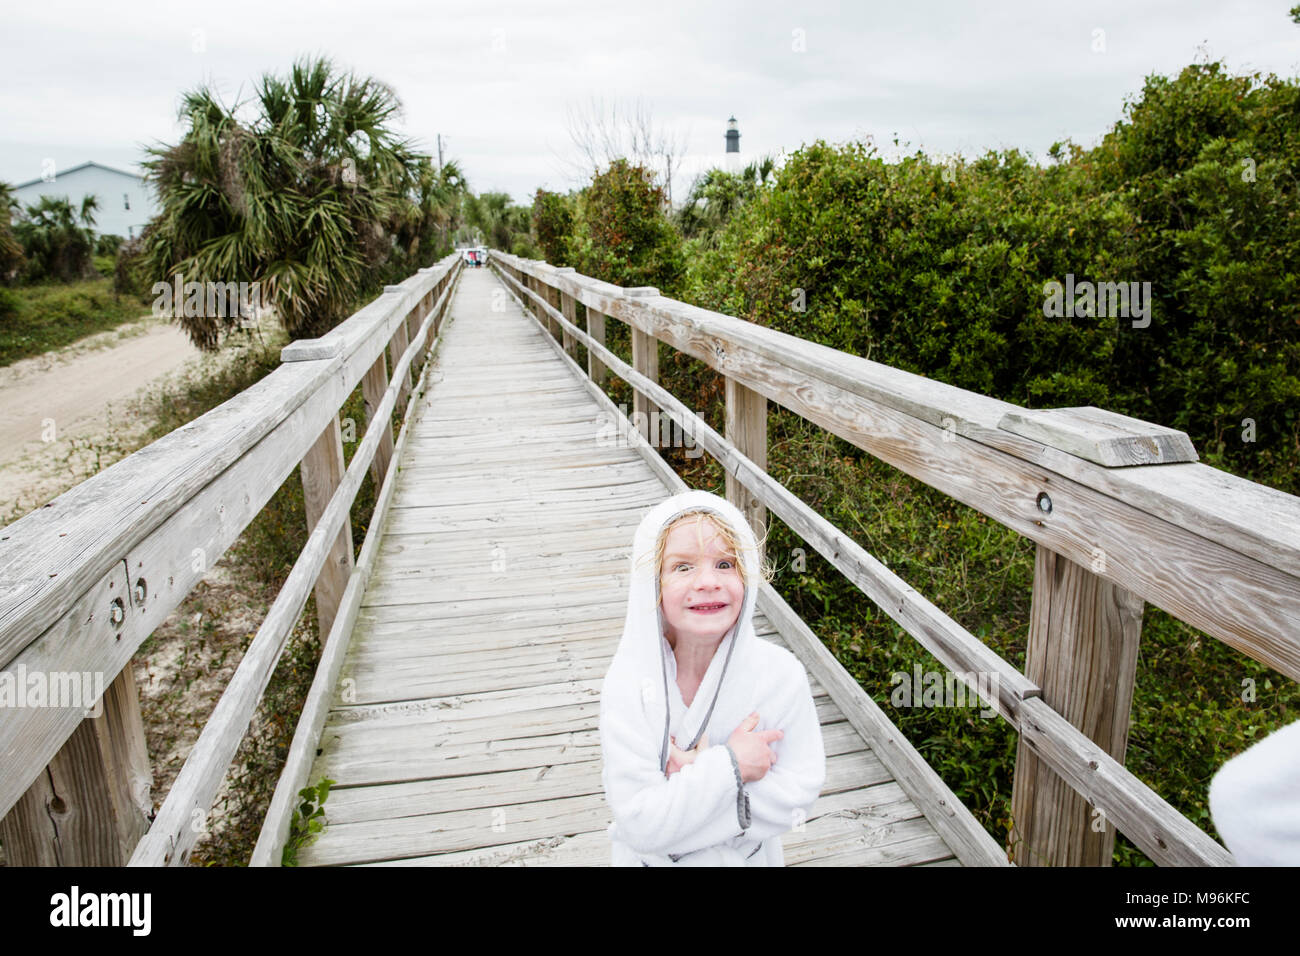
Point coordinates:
pixel 689 669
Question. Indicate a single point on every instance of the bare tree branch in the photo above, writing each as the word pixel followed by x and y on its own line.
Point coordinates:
pixel 600 136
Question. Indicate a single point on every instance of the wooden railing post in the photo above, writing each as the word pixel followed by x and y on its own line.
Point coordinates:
pixel 531 282
pixel 322 470
pixel 746 428
pixel 1083 643
pixel 91 805
pixel 373 386
pixel 553 297
pixel 434 296
pixel 417 318
pixel 1082 652
pixel 412 330
pixel 645 359
pixel 596 370
pixel 397 349
pixel 569 309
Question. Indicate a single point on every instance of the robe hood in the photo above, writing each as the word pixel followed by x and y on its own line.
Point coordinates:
pixel 637 681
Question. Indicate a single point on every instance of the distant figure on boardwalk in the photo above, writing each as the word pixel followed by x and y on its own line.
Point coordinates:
pixel 1255 801
pixel 689 668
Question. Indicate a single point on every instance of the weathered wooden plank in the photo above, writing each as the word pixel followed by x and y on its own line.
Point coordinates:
pixel 405 754
pixel 457 830
pixel 455 460
pixel 453 726
pixel 1083 652
pixel 470 606
pixel 407 639
pixel 424 480
pixel 1102 436
pixel 547 617
pixel 746 429
pixel 591 848
pixel 1160 831
pixel 520 497
pixel 90 807
pixel 461 830
pixel 902 844
pixel 573 584
pixel 372 389
pixel 293 776
pixel 397 547
pixel 322 471
pixel 850 771
pixel 645 359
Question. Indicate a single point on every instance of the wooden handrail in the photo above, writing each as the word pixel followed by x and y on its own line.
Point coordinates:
pixel 274 834
pixel 171 836
pixel 87 578
pixel 1156 827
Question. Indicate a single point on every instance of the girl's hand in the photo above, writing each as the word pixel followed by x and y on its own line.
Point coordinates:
pixel 753 751
pixel 678 758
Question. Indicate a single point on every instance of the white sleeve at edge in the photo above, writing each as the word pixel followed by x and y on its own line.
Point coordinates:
pixel 1255 801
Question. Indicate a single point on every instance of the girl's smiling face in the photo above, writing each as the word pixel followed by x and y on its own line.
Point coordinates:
pixel 701 589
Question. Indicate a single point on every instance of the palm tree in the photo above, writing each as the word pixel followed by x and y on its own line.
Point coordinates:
pixel 497 221
pixel 304 199
pixel 432 214
pixel 718 195
pixel 58 238
pixel 11 253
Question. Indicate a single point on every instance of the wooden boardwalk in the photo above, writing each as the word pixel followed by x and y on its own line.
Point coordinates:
pixel 464 725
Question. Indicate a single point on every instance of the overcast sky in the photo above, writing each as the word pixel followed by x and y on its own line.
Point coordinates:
pixel 95 81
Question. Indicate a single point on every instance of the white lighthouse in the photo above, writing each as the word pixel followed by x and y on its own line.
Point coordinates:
pixel 733 147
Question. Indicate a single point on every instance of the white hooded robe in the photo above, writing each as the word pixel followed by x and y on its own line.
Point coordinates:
pixel 704 815
pixel 1255 801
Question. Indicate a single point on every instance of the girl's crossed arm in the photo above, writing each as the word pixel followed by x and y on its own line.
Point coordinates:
pixel 784 796
pixel 699 806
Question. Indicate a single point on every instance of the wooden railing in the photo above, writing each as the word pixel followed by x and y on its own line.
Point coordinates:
pixel 87 578
pixel 1120 511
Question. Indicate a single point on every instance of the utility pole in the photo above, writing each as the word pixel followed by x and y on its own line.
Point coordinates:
pixel 439 154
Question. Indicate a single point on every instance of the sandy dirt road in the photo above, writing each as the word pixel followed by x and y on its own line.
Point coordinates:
pixel 52 404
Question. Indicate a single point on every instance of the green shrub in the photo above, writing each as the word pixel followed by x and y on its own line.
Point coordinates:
pixel 553 226
pixel 623 235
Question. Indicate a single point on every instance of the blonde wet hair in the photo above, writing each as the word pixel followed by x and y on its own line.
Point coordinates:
pixel 731 542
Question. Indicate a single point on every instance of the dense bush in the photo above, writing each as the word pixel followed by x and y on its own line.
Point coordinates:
pixel 107 244
pixel 57 239
pixel 941 269
pixel 495 221
pixel 717 196
pixel 129 277
pixel 11 253
pixel 1208 165
pixel 622 234
pixel 553 226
